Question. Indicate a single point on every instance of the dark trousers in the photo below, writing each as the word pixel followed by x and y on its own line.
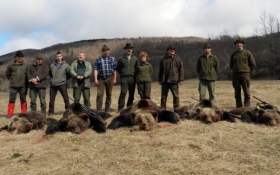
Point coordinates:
pixel 241 81
pixel 41 92
pixel 14 91
pixel 144 90
pixel 78 91
pixel 63 91
pixel 107 85
pixel 127 83
pixel 174 88
pixel 205 86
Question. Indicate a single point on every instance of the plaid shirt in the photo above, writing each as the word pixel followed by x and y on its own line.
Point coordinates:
pixel 106 66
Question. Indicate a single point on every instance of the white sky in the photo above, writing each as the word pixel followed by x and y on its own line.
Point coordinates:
pixel 41 23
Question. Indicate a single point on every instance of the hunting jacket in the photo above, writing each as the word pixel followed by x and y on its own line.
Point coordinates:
pixel 17 74
pixel 59 75
pixel 88 72
pixel 144 72
pixel 126 67
pixel 39 72
pixel 242 62
pixel 207 67
pixel 176 72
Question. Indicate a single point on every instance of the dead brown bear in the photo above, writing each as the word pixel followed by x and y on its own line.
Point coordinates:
pixel 204 111
pixel 76 120
pixel 258 114
pixel 26 122
pixel 143 114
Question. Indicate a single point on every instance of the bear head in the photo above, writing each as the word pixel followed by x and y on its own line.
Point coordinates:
pixel 77 123
pixel 144 119
pixel 208 115
pixel 20 126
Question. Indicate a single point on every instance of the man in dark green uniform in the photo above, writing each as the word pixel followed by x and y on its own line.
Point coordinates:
pixel 207 68
pixel 171 73
pixel 16 73
pixel 126 67
pixel 242 64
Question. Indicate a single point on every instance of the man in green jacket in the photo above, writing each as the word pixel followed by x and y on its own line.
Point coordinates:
pixel 126 67
pixel 81 70
pixel 171 74
pixel 242 63
pixel 16 73
pixel 207 68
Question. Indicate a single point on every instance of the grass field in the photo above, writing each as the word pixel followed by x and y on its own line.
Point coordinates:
pixel 190 147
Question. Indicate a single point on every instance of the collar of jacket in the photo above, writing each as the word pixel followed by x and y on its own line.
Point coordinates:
pixel 18 63
pixel 81 62
pixel 167 56
pixel 62 61
pixel 126 56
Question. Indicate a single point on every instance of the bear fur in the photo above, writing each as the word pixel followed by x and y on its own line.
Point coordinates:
pixel 77 120
pixel 143 114
pixel 26 122
pixel 204 111
pixel 258 114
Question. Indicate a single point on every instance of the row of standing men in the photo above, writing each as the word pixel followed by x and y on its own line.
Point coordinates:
pixel 130 70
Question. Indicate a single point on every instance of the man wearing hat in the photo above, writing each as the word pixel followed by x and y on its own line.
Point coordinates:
pixel 37 77
pixel 126 68
pixel 171 73
pixel 242 63
pixel 105 77
pixel 81 70
pixel 207 68
pixel 16 73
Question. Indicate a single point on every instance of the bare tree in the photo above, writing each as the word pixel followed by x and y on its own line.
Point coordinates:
pixel 270 32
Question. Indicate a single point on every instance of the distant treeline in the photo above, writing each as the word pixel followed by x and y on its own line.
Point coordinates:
pixel 266 50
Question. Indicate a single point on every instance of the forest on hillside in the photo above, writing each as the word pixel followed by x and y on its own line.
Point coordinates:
pixel 264 44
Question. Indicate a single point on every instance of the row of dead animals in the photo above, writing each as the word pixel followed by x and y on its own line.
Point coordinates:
pixel 141 115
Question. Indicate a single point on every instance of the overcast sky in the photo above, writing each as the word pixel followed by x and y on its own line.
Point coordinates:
pixel 41 23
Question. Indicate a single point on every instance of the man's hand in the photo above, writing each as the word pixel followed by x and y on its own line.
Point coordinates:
pixel 180 82
pixel 34 81
pixel 80 77
pixel 96 82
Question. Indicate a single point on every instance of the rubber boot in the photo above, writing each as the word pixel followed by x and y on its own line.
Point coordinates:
pixel 23 106
pixel 11 107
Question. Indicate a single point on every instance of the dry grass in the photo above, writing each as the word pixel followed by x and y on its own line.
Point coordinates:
pixel 187 148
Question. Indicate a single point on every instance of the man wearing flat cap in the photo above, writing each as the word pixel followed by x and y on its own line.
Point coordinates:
pixel 207 68
pixel 171 75
pixel 105 77
pixel 16 73
pixel 37 78
pixel 126 68
pixel 242 63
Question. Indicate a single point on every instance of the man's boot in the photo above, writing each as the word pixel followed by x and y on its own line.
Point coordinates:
pixel 11 107
pixel 23 106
